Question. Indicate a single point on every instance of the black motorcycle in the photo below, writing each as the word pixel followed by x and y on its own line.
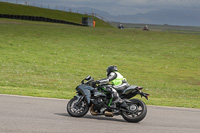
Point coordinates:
pixel 99 99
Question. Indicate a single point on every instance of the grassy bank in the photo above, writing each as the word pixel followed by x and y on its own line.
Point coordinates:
pixel 50 60
pixel 16 9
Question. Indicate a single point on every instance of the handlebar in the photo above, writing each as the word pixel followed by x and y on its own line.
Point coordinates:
pixel 88 81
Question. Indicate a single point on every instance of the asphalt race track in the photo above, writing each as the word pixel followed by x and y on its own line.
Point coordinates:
pixel 42 115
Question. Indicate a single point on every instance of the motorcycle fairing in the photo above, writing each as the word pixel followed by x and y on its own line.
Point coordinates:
pixel 85 91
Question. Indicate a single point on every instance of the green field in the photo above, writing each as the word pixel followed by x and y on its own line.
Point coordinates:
pixel 49 60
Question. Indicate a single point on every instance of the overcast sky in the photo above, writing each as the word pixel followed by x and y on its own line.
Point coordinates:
pixel 119 7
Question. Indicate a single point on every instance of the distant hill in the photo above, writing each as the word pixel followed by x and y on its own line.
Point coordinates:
pixel 16 9
pixel 163 16
pixel 182 17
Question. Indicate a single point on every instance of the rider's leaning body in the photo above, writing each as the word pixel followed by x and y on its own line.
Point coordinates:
pixel 118 82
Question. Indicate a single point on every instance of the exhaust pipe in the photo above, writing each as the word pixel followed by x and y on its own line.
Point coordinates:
pixel 92 111
pixel 108 114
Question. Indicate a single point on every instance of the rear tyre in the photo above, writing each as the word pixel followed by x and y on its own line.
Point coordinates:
pixel 138 111
pixel 76 109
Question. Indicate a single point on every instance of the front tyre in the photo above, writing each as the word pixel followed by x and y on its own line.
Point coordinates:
pixel 137 111
pixel 77 109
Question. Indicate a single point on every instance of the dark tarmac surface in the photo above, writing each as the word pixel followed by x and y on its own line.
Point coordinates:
pixel 42 115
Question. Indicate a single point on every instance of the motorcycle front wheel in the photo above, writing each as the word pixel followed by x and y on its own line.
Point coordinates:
pixel 137 111
pixel 77 109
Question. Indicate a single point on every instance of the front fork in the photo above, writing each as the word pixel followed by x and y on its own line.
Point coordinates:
pixel 79 99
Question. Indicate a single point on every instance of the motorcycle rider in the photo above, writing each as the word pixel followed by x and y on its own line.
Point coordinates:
pixel 118 82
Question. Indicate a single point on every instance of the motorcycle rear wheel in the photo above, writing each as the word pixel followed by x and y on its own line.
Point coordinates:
pixel 77 110
pixel 138 111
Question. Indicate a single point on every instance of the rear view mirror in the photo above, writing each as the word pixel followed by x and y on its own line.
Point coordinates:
pixel 88 77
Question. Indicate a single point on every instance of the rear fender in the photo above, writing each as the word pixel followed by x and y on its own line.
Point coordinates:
pixel 133 91
pixel 130 90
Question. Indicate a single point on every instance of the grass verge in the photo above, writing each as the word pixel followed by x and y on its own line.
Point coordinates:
pixel 50 60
